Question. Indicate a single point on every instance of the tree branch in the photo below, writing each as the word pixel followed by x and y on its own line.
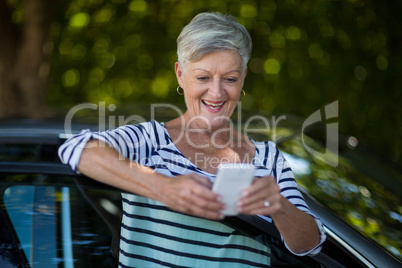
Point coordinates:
pixel 8 30
pixel 32 61
pixel 10 37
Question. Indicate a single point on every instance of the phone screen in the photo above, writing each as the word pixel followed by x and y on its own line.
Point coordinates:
pixel 231 179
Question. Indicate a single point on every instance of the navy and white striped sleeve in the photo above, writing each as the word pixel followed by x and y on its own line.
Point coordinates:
pixel 131 141
pixel 70 151
pixel 290 190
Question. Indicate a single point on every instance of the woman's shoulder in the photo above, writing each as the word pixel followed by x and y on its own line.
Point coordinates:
pixel 267 144
pixel 153 131
pixel 267 152
pixel 148 126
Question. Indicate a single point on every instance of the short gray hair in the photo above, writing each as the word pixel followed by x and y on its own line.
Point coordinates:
pixel 210 32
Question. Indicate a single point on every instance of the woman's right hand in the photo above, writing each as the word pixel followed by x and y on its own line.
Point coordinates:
pixel 191 194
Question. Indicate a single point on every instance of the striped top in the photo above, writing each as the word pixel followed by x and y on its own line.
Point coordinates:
pixel 153 235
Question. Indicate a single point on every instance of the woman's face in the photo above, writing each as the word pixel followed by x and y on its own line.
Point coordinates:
pixel 212 87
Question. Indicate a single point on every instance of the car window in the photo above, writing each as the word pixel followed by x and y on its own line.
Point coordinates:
pixel 32 212
pixel 355 196
pixel 21 152
pixel 25 151
pixel 69 225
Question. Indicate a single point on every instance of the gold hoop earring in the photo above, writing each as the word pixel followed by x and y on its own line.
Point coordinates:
pixel 244 94
pixel 178 91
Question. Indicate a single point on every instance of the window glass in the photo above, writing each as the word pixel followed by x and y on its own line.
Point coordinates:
pixel 67 226
pixel 21 216
pixel 18 152
pixel 28 152
pixel 353 195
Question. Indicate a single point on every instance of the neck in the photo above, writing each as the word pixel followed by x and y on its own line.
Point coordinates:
pixel 201 129
pixel 203 125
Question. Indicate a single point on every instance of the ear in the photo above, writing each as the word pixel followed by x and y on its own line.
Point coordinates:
pixel 179 73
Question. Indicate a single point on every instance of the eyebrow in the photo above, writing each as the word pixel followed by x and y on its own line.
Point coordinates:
pixel 201 69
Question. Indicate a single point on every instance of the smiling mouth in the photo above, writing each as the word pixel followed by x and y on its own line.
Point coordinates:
pixel 213 106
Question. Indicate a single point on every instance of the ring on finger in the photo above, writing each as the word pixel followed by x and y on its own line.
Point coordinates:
pixel 266 203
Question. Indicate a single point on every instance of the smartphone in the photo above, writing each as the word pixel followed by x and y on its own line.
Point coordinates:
pixel 231 179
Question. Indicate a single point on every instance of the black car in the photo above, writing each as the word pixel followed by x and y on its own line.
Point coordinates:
pixel 52 217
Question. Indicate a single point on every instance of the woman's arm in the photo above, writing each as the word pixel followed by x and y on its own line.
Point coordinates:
pixel 298 229
pixel 189 194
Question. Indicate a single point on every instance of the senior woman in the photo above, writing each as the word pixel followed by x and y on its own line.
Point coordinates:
pixel 172 217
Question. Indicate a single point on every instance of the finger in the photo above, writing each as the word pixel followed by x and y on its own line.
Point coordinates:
pixel 202 180
pixel 259 211
pixel 205 199
pixel 267 206
pixel 202 196
pixel 210 210
pixel 205 192
pixel 260 191
pixel 257 191
pixel 207 214
pixel 198 205
pixel 261 183
pixel 258 207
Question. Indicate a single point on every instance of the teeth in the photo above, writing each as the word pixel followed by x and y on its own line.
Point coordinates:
pixel 213 105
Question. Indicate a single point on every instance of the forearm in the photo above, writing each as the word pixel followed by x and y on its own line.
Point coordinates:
pixel 189 194
pixel 104 164
pixel 299 229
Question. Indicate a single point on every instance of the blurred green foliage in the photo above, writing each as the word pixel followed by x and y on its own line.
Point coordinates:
pixel 306 54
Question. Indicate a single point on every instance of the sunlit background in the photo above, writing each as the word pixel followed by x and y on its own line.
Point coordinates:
pixel 306 54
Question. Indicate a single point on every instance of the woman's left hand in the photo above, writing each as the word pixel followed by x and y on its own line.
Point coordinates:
pixel 261 197
pixel 298 228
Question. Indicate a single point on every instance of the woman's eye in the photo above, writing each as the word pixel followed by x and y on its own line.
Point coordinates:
pixel 202 78
pixel 231 80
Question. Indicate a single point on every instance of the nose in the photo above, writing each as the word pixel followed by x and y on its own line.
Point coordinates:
pixel 216 89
